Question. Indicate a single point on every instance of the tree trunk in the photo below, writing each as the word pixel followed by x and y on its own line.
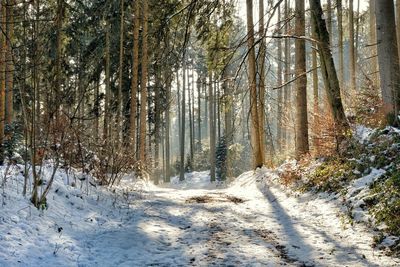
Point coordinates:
pixel 107 87
pixel 352 56
pixel 261 88
pixel 316 111
pixel 118 116
pixel 255 132
pixel 198 84
pixel 373 44
pixel 191 122
pixel 388 59
pixel 287 88
pixel 2 79
pixel 206 109
pixel 157 123
pixel 328 70
pixel 10 62
pixel 212 126
pixel 182 126
pixel 167 131
pixel 329 18
pixel 57 92
pixel 340 41
pixel 143 87
pixel 302 146
pixel 397 24
pixel 279 120
pixel 135 73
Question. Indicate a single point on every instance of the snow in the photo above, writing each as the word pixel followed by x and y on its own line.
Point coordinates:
pixel 253 222
pixel 364 182
pixel 362 133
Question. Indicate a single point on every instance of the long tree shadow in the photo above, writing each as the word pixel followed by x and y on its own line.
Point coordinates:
pixel 296 241
pixel 287 223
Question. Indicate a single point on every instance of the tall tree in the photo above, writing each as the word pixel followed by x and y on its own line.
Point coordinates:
pixel 255 132
pixel 352 55
pixel 340 41
pixel 118 118
pixel 302 146
pixel 211 106
pixel 10 62
pixel 167 129
pixel 280 92
pixel 183 122
pixel 315 81
pixel 135 74
pixel 143 85
pixel 372 40
pixel 328 70
pixel 388 59
pixel 2 77
pixel 261 68
pixel 107 113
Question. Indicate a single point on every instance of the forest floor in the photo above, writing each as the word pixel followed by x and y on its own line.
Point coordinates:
pixel 251 223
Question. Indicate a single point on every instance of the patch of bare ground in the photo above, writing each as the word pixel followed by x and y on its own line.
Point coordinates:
pixel 282 251
pixel 215 198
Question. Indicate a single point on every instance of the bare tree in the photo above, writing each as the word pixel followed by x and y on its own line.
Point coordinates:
pixel 388 58
pixel 302 146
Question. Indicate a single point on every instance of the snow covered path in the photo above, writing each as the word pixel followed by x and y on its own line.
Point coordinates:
pixel 247 224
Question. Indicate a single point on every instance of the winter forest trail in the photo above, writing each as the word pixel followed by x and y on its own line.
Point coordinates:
pixel 253 222
pixel 244 225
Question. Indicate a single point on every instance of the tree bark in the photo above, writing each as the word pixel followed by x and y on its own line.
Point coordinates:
pixel 261 88
pixel 107 87
pixel 198 84
pixel 329 71
pixel 118 119
pixel 10 62
pixel 352 55
pixel 182 126
pixel 212 126
pixel 373 44
pixel 340 41
pixel 388 59
pixel 2 79
pixel 279 136
pixel 143 87
pixel 135 73
pixel 302 146
pixel 316 113
pixel 255 132
pixel 167 131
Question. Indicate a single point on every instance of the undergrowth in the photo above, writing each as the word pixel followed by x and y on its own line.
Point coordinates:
pixel 334 174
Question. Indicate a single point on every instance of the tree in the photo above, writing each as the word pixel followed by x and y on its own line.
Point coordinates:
pixel 256 131
pixel 388 58
pixel 182 124
pixel 118 116
pixel 143 86
pixel 340 41
pixel 261 68
pixel 135 73
pixel 328 70
pixel 352 54
pixel 302 146
pixel 10 62
pixel 279 120
pixel 211 106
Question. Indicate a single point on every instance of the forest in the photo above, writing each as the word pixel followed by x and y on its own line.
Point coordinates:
pixel 200 133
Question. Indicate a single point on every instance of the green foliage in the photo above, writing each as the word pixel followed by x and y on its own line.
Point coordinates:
pixel 14 136
pixel 332 175
pixel 387 197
